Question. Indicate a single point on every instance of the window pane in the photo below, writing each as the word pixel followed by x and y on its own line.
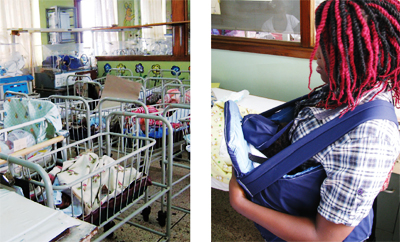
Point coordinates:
pixel 156 40
pixel 263 19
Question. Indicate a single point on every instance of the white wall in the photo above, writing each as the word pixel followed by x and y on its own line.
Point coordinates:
pixel 277 77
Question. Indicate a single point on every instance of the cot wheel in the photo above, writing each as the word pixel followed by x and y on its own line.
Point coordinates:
pixel 146 213
pixel 162 216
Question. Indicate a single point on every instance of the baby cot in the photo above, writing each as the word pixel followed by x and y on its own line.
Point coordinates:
pixel 155 85
pixel 26 123
pixel 16 141
pixel 99 185
pixel 178 114
pixel 81 121
pixel 155 88
pixel 152 87
pixel 184 143
pixel 37 119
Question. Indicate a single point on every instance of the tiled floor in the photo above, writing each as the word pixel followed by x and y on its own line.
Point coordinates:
pixel 227 224
pixel 180 221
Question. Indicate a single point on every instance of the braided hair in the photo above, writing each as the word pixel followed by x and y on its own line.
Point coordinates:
pixel 360 42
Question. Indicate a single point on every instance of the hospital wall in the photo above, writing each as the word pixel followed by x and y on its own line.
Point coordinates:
pixel 276 77
pixel 147 65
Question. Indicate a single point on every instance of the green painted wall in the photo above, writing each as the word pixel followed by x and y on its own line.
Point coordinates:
pixel 276 77
pixel 129 14
pixel 183 65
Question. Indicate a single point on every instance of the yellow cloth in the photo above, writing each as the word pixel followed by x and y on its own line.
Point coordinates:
pixel 221 166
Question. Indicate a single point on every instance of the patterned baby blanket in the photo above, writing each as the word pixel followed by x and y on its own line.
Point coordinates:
pixel 98 188
pixel 22 110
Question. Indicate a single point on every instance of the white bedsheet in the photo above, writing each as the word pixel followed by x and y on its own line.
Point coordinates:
pixel 256 103
pixel 25 220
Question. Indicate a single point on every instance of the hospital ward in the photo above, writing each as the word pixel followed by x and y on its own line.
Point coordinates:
pixel 304 120
pixel 95 120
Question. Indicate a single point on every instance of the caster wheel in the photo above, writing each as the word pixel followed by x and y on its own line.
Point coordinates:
pixel 162 216
pixel 109 226
pixel 146 213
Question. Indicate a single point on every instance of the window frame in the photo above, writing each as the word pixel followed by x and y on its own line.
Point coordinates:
pixel 300 49
pixel 179 12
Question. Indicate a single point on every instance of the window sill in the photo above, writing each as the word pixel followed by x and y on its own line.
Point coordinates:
pixel 261 46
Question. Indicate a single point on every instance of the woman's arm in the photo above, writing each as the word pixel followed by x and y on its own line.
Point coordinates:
pixel 285 226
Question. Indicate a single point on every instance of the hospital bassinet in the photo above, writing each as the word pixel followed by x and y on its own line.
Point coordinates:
pixel 120 172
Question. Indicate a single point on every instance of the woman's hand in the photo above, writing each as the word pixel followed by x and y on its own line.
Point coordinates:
pixel 285 226
pixel 236 193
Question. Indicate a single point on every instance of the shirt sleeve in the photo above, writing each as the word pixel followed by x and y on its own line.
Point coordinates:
pixel 357 165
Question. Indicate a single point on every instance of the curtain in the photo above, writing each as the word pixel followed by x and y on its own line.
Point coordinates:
pixel 16 14
pixel 153 11
pixel 99 13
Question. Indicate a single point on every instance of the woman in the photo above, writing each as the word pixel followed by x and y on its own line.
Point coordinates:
pixel 358 57
pixel 281 22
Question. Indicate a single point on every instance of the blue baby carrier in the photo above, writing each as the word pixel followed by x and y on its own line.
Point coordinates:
pixel 269 184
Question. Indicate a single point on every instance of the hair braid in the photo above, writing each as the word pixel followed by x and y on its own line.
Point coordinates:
pixel 360 42
pixel 396 4
pixel 333 51
pixel 382 30
pixel 353 69
pixel 348 80
pixel 359 46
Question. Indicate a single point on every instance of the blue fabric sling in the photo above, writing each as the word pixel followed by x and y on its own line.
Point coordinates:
pixel 269 185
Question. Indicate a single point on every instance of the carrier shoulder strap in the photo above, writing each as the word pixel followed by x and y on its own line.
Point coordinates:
pixel 305 148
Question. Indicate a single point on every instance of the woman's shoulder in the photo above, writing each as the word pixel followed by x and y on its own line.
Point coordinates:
pixel 383 129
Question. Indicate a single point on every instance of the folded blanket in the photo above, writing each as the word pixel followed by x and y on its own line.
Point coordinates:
pixel 109 182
